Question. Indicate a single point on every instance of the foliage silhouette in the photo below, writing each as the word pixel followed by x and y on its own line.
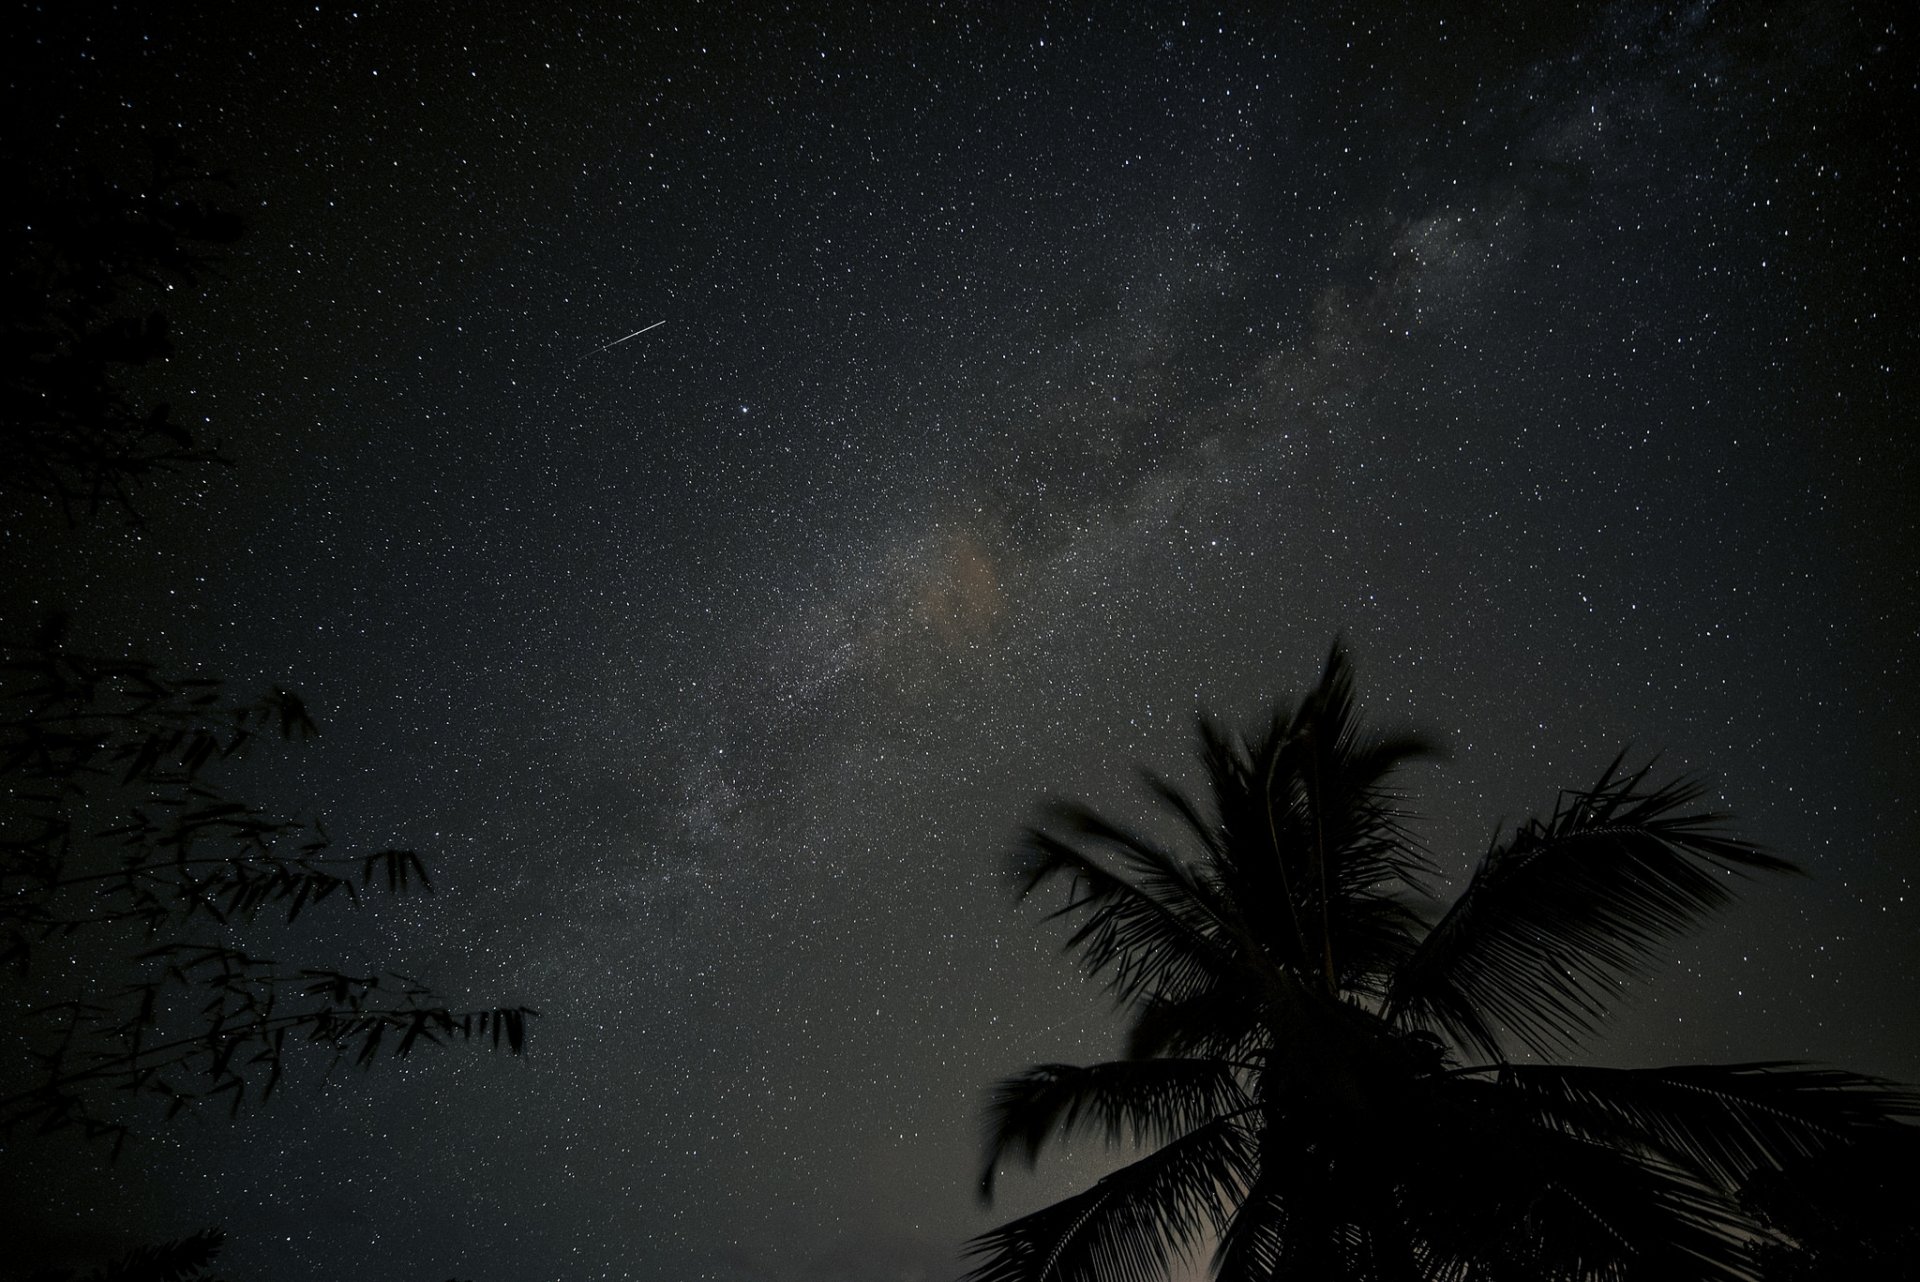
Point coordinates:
pixel 114 820
pixel 187 1260
pixel 1844 1215
pixel 1326 1086
pixel 119 844
pixel 89 262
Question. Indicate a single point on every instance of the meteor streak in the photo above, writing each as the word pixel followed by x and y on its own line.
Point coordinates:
pixel 616 342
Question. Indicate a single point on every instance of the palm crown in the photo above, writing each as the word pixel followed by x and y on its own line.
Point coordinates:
pixel 1322 1082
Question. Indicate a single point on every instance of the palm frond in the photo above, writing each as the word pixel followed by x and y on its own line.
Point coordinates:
pixel 1141 941
pixel 1142 1101
pixel 1607 1217
pixel 1373 934
pixel 1726 1122
pixel 1568 909
pixel 1131 1225
pixel 1309 821
pixel 1153 868
pixel 1327 1202
pixel 1490 1192
pixel 1216 1021
pixel 1342 778
pixel 1264 1237
pixel 1205 828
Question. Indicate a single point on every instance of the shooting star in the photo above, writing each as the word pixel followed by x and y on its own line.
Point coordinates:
pixel 616 342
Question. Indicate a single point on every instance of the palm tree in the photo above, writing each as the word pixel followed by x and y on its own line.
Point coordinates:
pixel 1326 1087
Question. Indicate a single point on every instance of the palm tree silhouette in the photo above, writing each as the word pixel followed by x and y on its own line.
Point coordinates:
pixel 1326 1087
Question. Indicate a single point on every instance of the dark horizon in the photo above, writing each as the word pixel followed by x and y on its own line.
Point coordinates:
pixel 996 392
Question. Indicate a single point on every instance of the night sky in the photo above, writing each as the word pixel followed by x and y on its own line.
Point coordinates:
pixel 1030 377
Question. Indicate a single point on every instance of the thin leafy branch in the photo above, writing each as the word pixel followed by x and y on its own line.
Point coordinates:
pixel 243 1015
pixel 112 813
pixel 81 291
pixel 187 1259
pixel 116 820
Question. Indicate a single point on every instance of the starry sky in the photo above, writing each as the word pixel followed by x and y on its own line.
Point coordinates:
pixel 1030 377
